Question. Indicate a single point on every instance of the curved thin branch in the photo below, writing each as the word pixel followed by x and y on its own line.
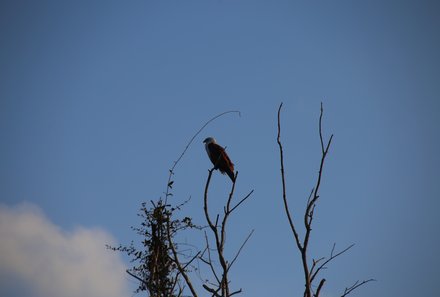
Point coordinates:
pixel 170 182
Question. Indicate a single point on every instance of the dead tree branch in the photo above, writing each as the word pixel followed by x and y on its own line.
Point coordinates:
pixel 310 271
pixel 219 231
pixel 286 206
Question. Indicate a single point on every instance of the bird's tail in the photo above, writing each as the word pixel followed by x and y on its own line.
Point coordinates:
pixel 231 175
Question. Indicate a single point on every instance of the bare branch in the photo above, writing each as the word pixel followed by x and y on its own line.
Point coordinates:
pixel 321 284
pixel 302 247
pixel 310 271
pixel 136 277
pixel 310 196
pixel 239 250
pixel 192 259
pixel 320 129
pixel 332 256
pixel 209 261
pixel 314 263
pixel 211 290
pixel 205 206
pixel 241 201
pixel 286 206
pixel 308 215
pixel 236 292
pixel 219 231
pixel 219 238
pixel 356 285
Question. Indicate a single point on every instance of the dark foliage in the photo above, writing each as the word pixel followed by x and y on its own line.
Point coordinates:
pixel 154 265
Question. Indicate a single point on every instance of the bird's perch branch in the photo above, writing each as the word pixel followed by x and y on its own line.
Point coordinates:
pixel 219 229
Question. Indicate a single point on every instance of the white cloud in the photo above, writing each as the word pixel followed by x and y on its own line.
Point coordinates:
pixel 37 258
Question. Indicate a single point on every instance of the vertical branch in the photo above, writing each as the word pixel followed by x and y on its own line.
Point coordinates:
pixel 286 206
pixel 301 248
pixel 308 215
pixel 219 239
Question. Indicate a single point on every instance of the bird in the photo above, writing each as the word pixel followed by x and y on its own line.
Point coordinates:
pixel 219 157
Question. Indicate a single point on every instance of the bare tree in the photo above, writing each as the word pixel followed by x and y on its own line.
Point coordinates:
pixel 311 269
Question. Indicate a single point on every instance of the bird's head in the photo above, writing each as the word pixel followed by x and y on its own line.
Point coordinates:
pixel 209 140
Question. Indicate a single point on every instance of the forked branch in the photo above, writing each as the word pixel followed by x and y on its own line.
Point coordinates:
pixel 310 271
pixel 218 229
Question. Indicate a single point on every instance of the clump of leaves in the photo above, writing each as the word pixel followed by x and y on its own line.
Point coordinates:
pixel 154 264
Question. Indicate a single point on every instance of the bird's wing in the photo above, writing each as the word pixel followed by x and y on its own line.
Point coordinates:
pixel 220 158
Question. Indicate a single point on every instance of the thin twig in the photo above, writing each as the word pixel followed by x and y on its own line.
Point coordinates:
pixel 209 261
pixel 211 290
pixel 192 259
pixel 241 247
pixel 136 277
pixel 236 292
pixel 355 286
pixel 308 215
pixel 332 256
pixel 241 201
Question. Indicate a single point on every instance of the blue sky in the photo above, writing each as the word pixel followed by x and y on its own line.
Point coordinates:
pixel 98 98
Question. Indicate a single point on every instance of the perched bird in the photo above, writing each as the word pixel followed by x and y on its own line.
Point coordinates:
pixel 219 158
